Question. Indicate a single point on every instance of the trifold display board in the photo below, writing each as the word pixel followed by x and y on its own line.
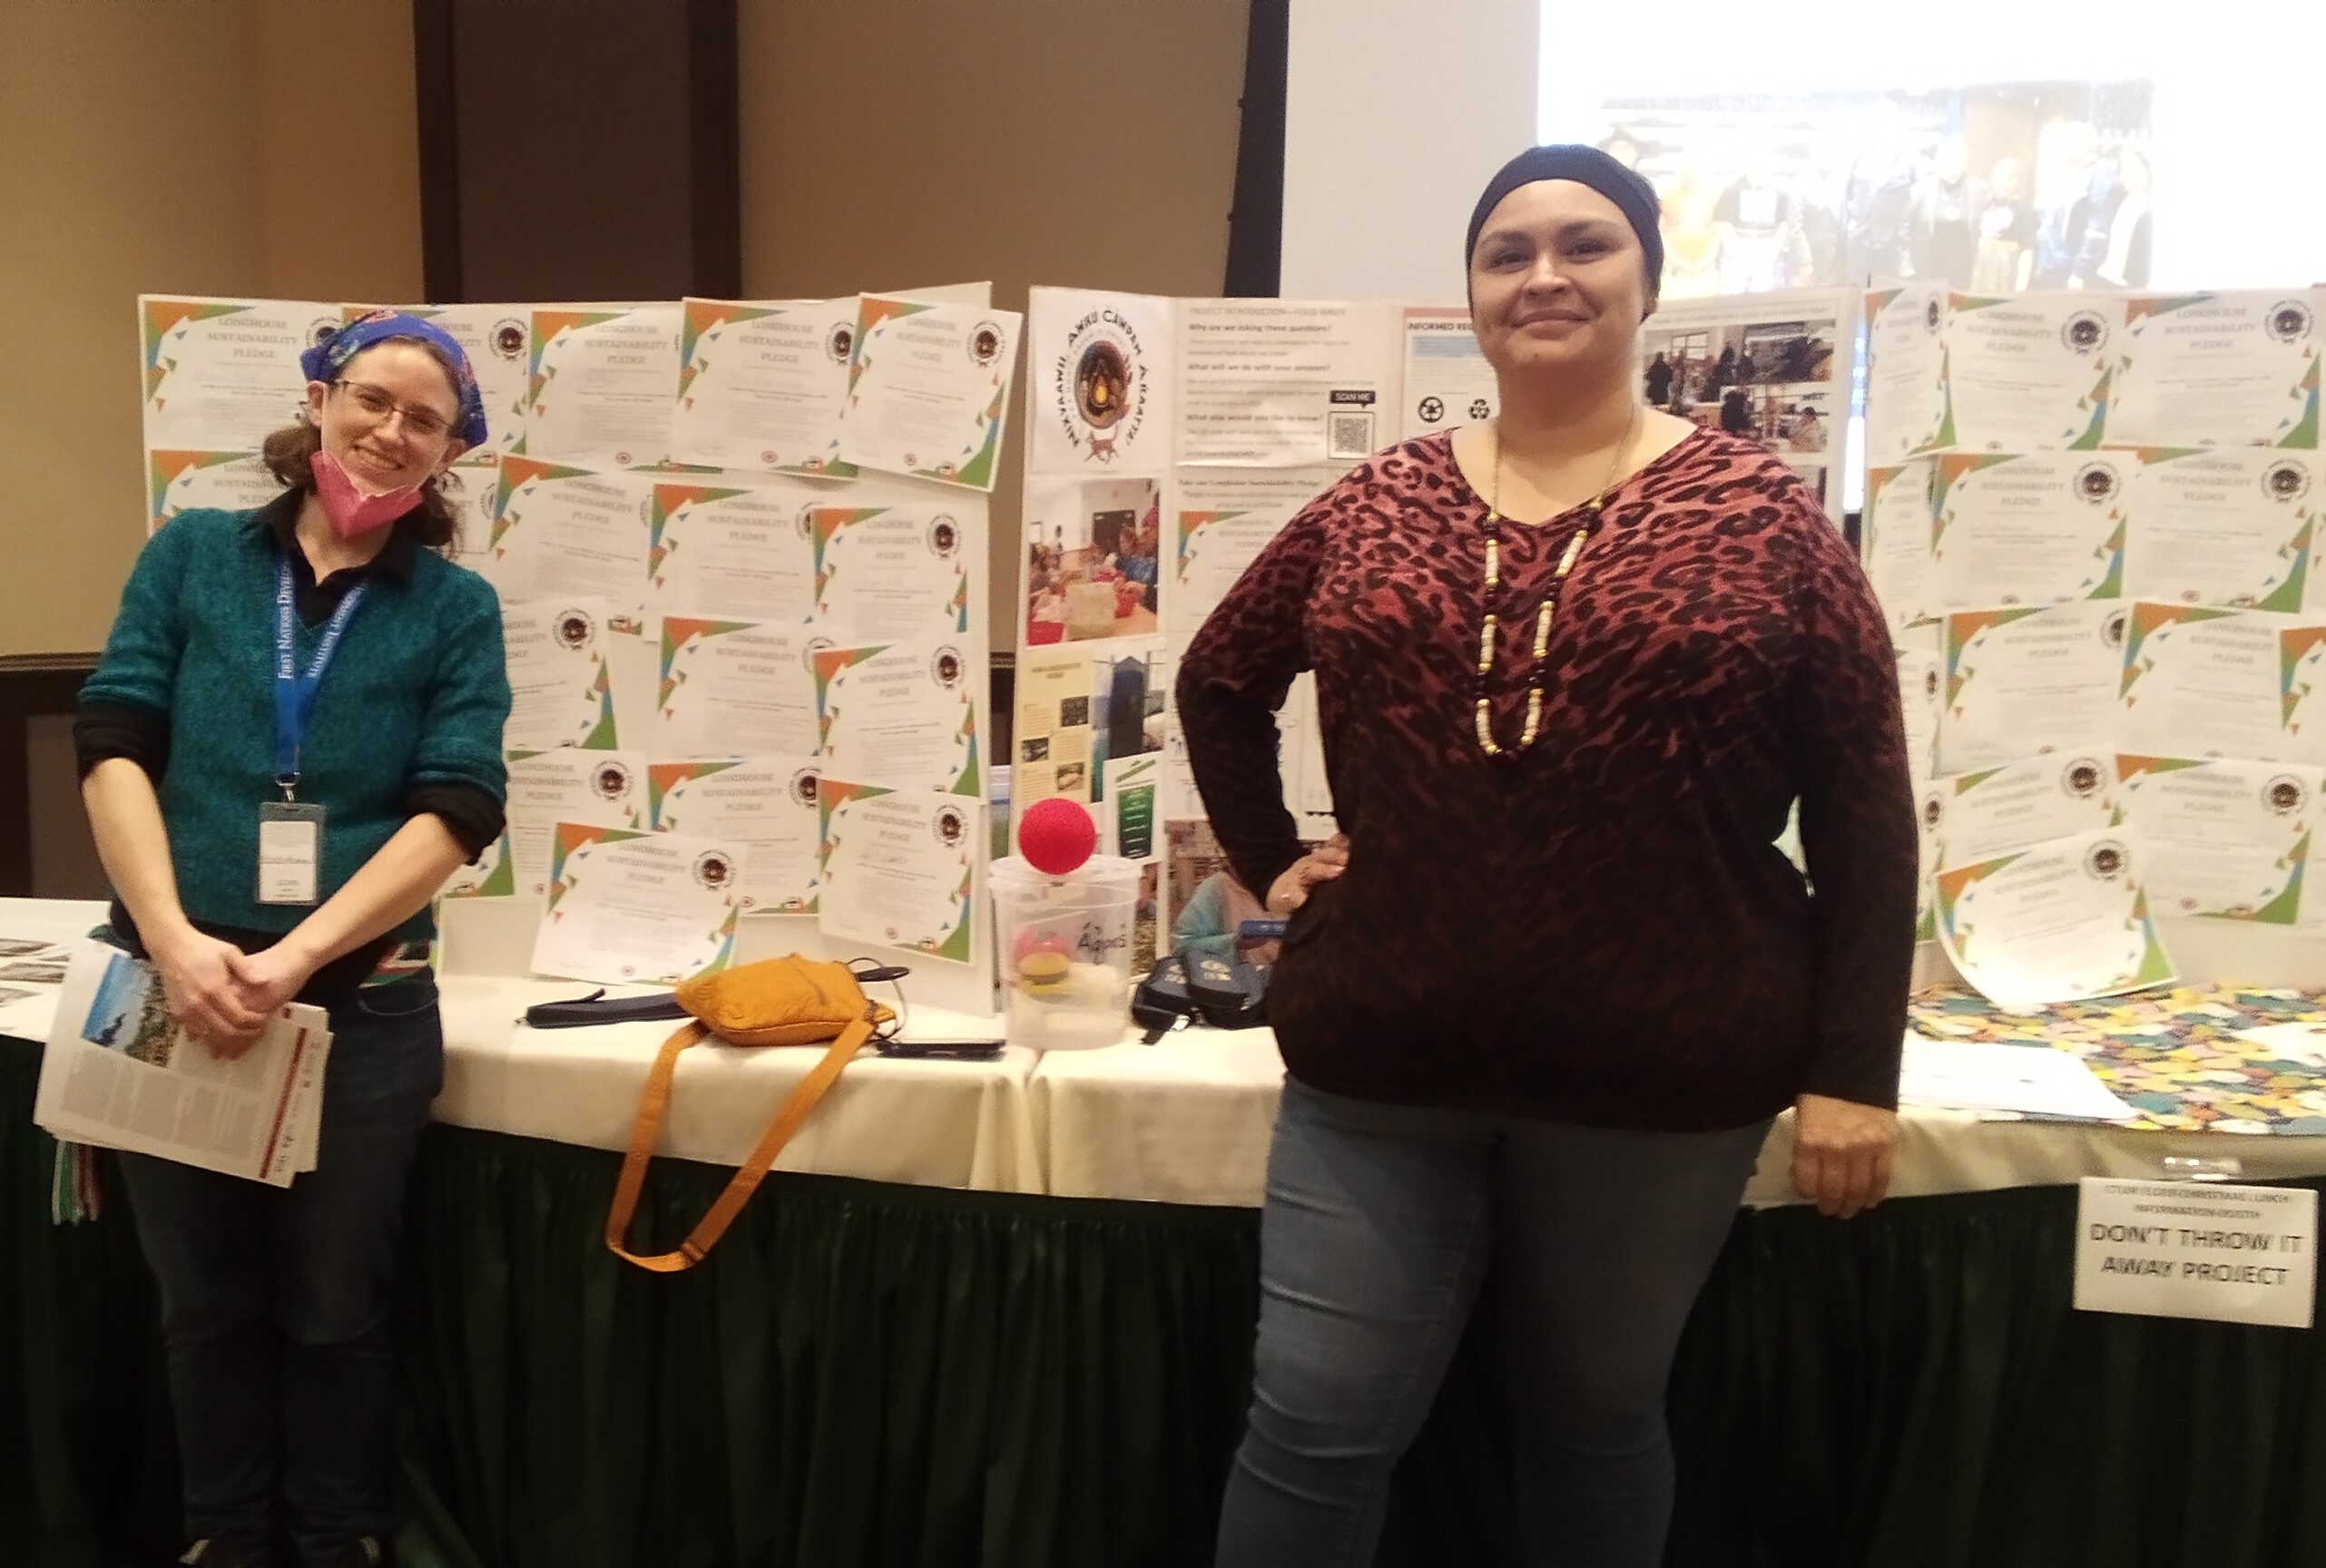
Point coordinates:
pixel 1170 440
pixel 740 548
pixel 2092 519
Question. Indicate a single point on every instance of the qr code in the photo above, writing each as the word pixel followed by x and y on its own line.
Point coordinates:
pixel 1349 436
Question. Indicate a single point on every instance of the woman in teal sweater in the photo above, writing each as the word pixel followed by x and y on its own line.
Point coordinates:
pixel 313 668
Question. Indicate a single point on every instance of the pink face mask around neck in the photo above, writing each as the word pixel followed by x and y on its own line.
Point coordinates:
pixel 351 509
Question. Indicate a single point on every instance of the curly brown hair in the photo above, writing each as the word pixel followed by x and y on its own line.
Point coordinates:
pixel 289 452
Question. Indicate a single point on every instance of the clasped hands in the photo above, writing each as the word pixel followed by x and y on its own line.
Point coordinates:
pixel 1843 1151
pixel 221 995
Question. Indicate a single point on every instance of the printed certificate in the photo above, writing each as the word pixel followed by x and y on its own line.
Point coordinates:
pixel 767 805
pixel 569 533
pixel 2031 530
pixel 188 481
pixel 733 688
pixel 895 573
pixel 2028 681
pixel 567 784
pixel 899 867
pixel 928 389
pixel 2031 373
pixel 2021 804
pixel 761 385
pixel 2206 682
pixel 2228 839
pixel 739 552
pixel 1921 694
pixel 1221 520
pixel 644 908
pixel 905 714
pixel 223 375
pixel 2233 526
pixel 2059 922
pixel 601 385
pixel 561 689
pixel 1906 374
pixel 1899 525
pixel 2233 369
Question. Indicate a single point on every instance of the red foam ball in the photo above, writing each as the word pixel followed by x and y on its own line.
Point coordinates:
pixel 1056 836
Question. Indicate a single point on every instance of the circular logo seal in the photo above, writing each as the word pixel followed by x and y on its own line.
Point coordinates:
pixel 2106 860
pixel 2285 795
pixel 840 342
pixel 507 338
pixel 944 536
pixel 1934 809
pixel 323 329
pixel 2083 778
pixel 2286 481
pixel 2112 630
pixel 610 781
pixel 803 522
pixel 946 668
pixel 2085 332
pixel 950 826
pixel 713 870
pixel 815 645
pixel 2288 322
pixel 2096 484
pixel 803 787
pixel 984 343
pixel 1098 385
pixel 575 629
pixel 1933 315
pixel 1930 684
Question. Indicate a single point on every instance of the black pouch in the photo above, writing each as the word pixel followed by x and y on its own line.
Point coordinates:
pixel 597 1007
pixel 1184 989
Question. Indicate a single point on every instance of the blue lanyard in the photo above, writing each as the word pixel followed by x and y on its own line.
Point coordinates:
pixel 294 692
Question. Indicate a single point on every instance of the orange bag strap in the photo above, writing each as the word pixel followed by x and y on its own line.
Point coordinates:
pixel 655 1101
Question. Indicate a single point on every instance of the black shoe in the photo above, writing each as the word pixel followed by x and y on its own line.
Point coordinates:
pixel 217 1552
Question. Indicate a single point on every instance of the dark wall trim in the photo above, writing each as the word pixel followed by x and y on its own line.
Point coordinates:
pixel 714 135
pixel 432 61
pixel 32 686
pixel 1256 225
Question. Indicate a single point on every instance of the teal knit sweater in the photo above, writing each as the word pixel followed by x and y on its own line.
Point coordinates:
pixel 417 695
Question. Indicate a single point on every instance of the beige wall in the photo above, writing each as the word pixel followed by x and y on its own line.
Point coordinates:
pixel 195 146
pixel 1087 143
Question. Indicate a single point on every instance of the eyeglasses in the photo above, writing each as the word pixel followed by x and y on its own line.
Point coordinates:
pixel 419 421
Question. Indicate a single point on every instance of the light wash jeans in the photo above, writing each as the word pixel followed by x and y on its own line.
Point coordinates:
pixel 1374 1244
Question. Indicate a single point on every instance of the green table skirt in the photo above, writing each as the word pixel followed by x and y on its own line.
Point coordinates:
pixel 867 1374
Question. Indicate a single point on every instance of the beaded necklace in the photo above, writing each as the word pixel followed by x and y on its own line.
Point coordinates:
pixel 1484 708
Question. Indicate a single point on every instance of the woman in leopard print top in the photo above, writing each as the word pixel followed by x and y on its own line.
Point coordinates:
pixel 1573 670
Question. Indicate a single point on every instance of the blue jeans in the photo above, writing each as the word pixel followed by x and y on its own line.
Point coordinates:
pixel 275 1302
pixel 1374 1242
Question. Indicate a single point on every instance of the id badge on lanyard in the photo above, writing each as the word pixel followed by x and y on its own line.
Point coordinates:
pixel 290 832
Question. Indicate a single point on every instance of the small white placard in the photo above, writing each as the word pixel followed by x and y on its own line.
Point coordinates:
pixel 2292 1042
pixel 2173 1250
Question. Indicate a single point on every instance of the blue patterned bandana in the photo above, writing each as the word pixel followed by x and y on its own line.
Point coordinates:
pixel 325 361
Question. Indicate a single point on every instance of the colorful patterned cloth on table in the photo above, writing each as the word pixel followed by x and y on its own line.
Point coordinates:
pixel 2174 1056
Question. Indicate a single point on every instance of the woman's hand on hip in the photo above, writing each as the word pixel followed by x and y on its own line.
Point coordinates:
pixel 205 994
pixel 1327 861
pixel 1843 1153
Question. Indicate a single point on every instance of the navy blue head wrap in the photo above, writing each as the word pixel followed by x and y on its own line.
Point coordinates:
pixel 1585 166
pixel 325 361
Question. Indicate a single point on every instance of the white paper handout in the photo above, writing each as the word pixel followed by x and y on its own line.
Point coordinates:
pixel 651 908
pixel 733 688
pixel 928 389
pixel 736 550
pixel 761 385
pixel 2041 680
pixel 603 381
pixel 1906 374
pixel 767 805
pixel 1447 381
pixel 1219 520
pixel 223 375
pixel 2031 373
pixel 1100 365
pixel 1283 383
pixel 561 689
pixel 2058 922
pixel 119 1073
pixel 2016 1079
pixel 904 715
pixel 2229 839
pixel 899 867
pixel 2207 682
pixel 890 574
pixel 2233 526
pixel 567 533
pixel 2230 369
pixel 568 784
pixel 2037 529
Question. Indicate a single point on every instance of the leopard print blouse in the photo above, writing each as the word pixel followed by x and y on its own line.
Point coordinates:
pixel 1597 929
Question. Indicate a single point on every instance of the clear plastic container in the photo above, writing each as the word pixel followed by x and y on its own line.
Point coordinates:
pixel 1064 945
